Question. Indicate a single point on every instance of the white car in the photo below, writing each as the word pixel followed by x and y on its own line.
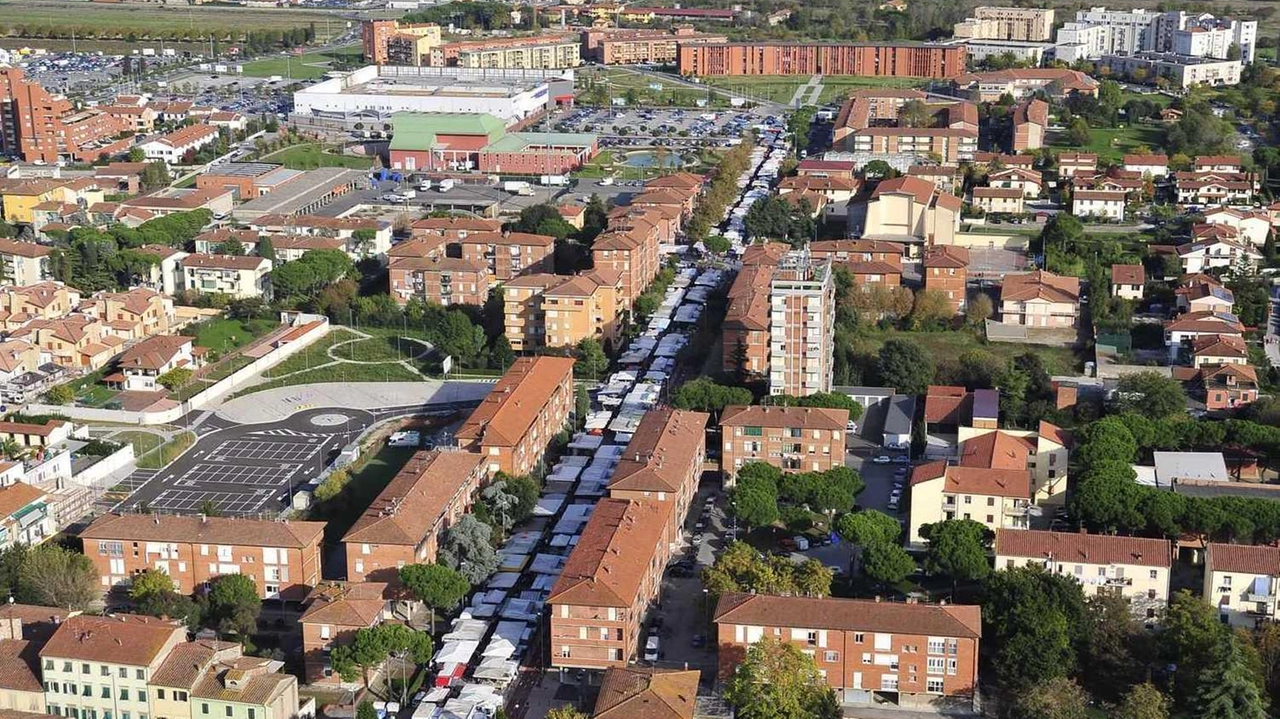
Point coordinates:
pixel 852 426
pixel 882 459
pixel 651 647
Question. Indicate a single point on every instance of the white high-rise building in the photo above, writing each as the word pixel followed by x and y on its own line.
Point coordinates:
pixel 1098 31
pixel 802 310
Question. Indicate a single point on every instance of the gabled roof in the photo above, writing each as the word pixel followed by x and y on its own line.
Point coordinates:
pixel 1015 483
pixel 1068 547
pixel 939 620
pixel 354 604
pixel 662 449
pixel 647 693
pixel 184 665
pixel 1206 322
pixel 1261 560
pixel 996 450
pixel 20 666
pixel 1040 285
pixel 415 499
pixel 946 404
pixel 127 639
pixel 820 418
pixel 204 530
pixel 153 352
pixel 1128 275
pixel 1219 346
pixel 509 410
pixel 946 257
pixel 613 553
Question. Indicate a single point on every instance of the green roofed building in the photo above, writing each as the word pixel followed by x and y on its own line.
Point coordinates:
pixel 440 142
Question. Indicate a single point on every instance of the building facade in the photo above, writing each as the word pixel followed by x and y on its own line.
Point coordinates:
pixel 801 325
pixel 869 60
pixel 793 439
pixel 528 406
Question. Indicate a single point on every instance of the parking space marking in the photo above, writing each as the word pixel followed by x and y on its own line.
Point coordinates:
pixel 234 449
pixel 183 500
pixel 253 476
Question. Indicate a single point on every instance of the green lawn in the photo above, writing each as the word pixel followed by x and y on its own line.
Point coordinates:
pixel 225 334
pixel 381 349
pixel 646 89
pixel 145 20
pixel 313 156
pixel 167 453
pixel 1111 144
pixel 309 66
pixel 314 354
pixel 96 395
pixel 344 372
pixel 947 346
pixel 781 88
pixel 368 478
pixel 142 442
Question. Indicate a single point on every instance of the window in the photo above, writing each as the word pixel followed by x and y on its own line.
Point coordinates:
pixel 142 693
pixel 564 651
pixel 106 670
pixel 857 637
pixel 160 694
pixel 935 645
pixel 228 711
pixel 251 713
pixel 66 666
pixel 84 668
pixel 866 657
pixel 182 696
pixel 124 673
pixel 951 667
pixel 753 431
pixel 86 690
pixel 933 686
pixel 204 708
pixel 830 656
pixel 124 694
pixel 48 665
pixel 106 692
pixel 991 501
pixel 936 665
pixel 1226 580
pixel 1154 573
pixel 968 499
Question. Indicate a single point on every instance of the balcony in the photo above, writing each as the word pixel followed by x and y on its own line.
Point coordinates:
pixel 1260 598
pixel 1119 582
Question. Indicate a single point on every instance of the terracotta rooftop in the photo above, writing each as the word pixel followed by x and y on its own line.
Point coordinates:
pixel 204 530
pixel 996 450
pixel 1128 275
pixel 510 409
pixel 939 620
pixel 1068 547
pixel 784 417
pixel 184 665
pixel 613 553
pixel 358 604
pixel 1040 285
pixel 223 262
pixel 946 256
pixel 20 666
pixel 647 693
pixel 153 352
pixel 116 639
pixel 413 502
pixel 1015 483
pixel 663 447
pixel 1245 558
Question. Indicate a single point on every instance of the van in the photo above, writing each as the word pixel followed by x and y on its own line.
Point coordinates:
pixel 652 648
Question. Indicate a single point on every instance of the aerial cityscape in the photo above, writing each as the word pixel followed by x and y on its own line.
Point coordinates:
pixel 465 359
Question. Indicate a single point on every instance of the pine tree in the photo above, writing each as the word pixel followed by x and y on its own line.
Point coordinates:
pixel 1227 689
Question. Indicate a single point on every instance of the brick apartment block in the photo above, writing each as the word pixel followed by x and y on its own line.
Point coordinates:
pixel 597 606
pixel 794 439
pixel 331 617
pixel 924 655
pixel 528 406
pixel 663 461
pixel 282 558
pixel 406 522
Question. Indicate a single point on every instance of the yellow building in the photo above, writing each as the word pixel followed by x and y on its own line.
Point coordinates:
pixel 560 311
pixel 412 44
pixel 551 54
pixel 19 197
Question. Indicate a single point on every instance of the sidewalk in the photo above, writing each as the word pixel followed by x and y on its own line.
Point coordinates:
pixel 277 404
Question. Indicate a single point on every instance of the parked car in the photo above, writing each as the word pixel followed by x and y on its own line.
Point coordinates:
pixel 902 459
pixel 882 459
pixel 652 648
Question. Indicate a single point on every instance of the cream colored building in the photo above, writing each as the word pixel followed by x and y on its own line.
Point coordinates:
pixel 20 687
pixel 913 210
pixel 1040 299
pixel 1106 204
pixel 1000 200
pixel 1242 582
pixel 1048 458
pixel 245 688
pixel 1026 24
pixel 554 54
pixel 172 683
pixel 1135 568
pixel 993 484
pixel 541 310
pixel 23 263
pixel 97 667
pixel 802 309
pixel 235 276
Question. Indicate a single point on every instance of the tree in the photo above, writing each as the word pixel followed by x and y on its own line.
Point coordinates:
pixel 716 244
pixel 371 646
pixel 234 604
pixel 777 681
pixel 915 113
pixel 154 174
pixel 266 249
pixel 543 219
pixel 1033 620
pixel 958 549
pixel 827 400
pixel 564 712
pixel 435 585
pixel 175 378
pixel 1227 689
pixel 1078 132
pixel 150 582
pixel 468 548
pixel 153 593
pixel 1144 701
pixel 1150 394
pixel 591 359
pixel 705 395
pixel 1108 662
pixel 755 501
pixel 60 394
pixel 366 711
pixel 904 366
pixel 868 527
pixel 55 577
pixel 931 309
pixel 1056 698
pixel 1192 637
pixel 887 563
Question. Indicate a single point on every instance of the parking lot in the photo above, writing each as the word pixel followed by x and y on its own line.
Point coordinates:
pixel 643 127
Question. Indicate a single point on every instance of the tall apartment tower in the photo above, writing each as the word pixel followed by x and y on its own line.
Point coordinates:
pixel 374 35
pixel 802 308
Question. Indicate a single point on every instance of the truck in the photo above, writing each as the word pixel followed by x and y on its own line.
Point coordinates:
pixel 525 191
pixel 515 187
pixel 404 439
pixel 554 180
pixel 446 185
pixel 424 185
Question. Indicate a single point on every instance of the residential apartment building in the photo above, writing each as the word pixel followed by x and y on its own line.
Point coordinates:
pixel 1135 568
pixel 992 485
pixel 631 250
pixel 23 263
pixel 177 146
pixel 924 655
pixel 912 211
pixel 1023 84
pixel 745 330
pixel 998 200
pixel 1209 188
pixel 331 617
pixel 377 38
pixel 868 122
pixel 1030 125
pixel 75 342
pixel 867 60
pixel 1040 299
pixel 1102 204
pixel 131 315
pixel 597 606
pixel 1226 387
pixel 40 126
pixel 245 688
pixel 100 666
pixel 629 692
pixel 172 684
pixel 1007 23
pixel 793 439
pixel 509 255
pixel 236 276
pixel 140 366
pixel 1242 582
pixel 546 51
pixel 1128 281
pixel 282 558
pixel 1180 71
pixel 454 228
pixel 441 280
pixel 44 300
pixel 25 515
pixel 20 687
pixel 166 275
pixel 361 236
pixel 1218 247
pixel 608 46
pixel 1181 332
pixel 407 521
pixel 1252 225
pixel 802 310
pixel 528 406
pixel 562 310
pixel 663 461
pixel 946 271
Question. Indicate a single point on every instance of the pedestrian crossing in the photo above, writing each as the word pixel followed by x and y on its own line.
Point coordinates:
pixel 286 433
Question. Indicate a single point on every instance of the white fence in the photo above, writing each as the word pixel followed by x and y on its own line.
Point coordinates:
pixel 215 392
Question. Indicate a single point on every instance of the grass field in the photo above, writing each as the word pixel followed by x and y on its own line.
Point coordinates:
pixel 947 346
pixel 1112 144
pixel 367 480
pixel 142 442
pixel 312 156
pixel 311 66
pixel 647 89
pixel 782 88
pixel 153 20
pixel 168 452
pixel 225 334
pixel 380 349
pixel 343 372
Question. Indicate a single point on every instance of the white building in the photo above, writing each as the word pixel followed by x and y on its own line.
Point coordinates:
pixel 231 275
pixel 171 147
pixel 379 92
pixel 1107 204
pixel 143 363
pixel 1242 582
pixel 1098 31
pixel 1137 569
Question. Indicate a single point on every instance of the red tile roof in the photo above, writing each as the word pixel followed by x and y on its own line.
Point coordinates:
pixel 1244 558
pixel 939 620
pixel 1068 547
pixel 613 554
